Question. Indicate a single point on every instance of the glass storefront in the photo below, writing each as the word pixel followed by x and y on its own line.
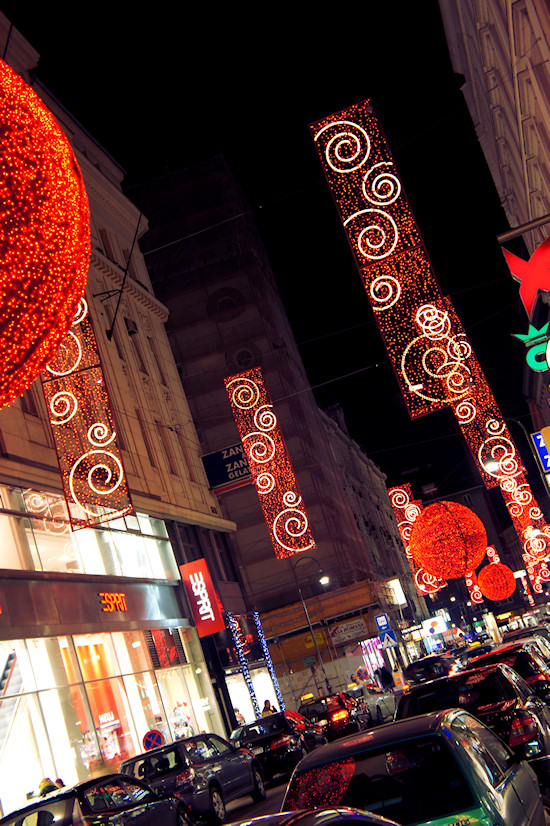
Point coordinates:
pixel 240 695
pixel 76 706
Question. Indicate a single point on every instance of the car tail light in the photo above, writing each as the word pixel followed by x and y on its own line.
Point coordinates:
pixel 406 686
pixel 186 775
pixel 339 715
pixel 524 728
pixel 286 740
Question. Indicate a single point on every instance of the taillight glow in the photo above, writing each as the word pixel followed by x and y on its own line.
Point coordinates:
pixel 339 715
pixel 186 775
pixel 286 740
pixel 524 728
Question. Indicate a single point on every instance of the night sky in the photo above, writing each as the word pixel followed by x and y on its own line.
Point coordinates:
pixel 165 89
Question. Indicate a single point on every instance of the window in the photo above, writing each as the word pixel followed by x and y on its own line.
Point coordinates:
pixel 156 357
pixel 28 404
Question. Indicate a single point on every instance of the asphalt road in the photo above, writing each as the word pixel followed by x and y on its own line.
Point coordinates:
pixel 244 808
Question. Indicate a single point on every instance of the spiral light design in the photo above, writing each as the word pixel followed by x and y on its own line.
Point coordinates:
pixel 347 147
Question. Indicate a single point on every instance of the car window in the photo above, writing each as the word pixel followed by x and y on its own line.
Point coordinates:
pixel 203 749
pixel 44 814
pixel 140 793
pixel 408 782
pixel 220 746
pixel 521 686
pixel 482 748
pixel 107 796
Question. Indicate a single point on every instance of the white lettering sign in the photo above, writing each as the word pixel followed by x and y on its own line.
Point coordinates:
pixel 203 600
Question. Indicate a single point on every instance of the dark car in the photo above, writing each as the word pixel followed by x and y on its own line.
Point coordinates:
pixel 339 714
pixel 279 741
pixel 526 659
pixel 430 668
pixel 439 769
pixel 466 655
pixel 319 817
pixel 111 799
pixel 497 696
pixel 205 771
pixel 530 631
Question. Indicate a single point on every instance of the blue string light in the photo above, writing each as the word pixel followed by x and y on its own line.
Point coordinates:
pixel 267 656
pixel 234 628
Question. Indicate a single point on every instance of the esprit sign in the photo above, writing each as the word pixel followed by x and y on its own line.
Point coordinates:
pixel 202 597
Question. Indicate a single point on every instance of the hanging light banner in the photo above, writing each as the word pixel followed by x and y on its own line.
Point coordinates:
pixel 202 598
pixel 427 345
pixel 90 461
pixel 269 464
pixel 406 510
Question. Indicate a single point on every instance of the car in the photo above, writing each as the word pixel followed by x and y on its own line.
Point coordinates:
pixel 497 696
pixel 339 713
pixel 429 668
pixel 525 658
pixel 440 768
pixel 205 771
pixel 542 645
pixel 279 741
pixel 342 816
pixel 474 650
pixel 381 704
pixel 110 799
pixel 530 631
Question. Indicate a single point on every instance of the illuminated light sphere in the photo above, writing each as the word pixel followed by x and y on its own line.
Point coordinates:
pixel 44 235
pixel 496 581
pixel 448 539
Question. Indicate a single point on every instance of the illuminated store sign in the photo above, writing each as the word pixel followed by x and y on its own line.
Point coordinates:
pixel 202 597
pixel 112 602
pixel 269 463
pixel 431 354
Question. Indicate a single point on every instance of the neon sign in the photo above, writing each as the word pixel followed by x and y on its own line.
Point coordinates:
pixel 202 597
pixel 270 464
pixel 430 352
pixel 112 601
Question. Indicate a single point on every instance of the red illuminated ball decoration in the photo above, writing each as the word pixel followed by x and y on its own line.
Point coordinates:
pixel 44 235
pixel 448 539
pixel 496 581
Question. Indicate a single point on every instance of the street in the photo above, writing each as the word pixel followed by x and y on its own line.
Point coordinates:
pixel 244 808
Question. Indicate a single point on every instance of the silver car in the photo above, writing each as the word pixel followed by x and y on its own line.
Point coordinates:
pixel 381 704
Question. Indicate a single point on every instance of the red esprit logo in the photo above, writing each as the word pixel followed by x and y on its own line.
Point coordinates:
pixel 533 275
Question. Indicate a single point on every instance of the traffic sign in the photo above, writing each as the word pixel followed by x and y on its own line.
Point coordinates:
pixel 388 639
pixel 153 739
pixel 382 622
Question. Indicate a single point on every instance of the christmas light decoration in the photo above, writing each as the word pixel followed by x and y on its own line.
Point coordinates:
pixel 268 660
pixel 448 539
pixel 269 463
pixel 472 585
pixel 322 786
pixel 234 628
pixel 407 510
pixel 432 357
pixel 496 581
pixel 90 462
pixel 44 235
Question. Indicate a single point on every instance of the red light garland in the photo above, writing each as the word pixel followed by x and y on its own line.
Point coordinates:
pixel 448 539
pixel 432 357
pixel 407 510
pixel 269 463
pixel 44 235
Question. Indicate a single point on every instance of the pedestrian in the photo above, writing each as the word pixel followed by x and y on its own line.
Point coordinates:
pixel 386 679
pixel 46 786
pixel 59 783
pixel 268 709
pixel 239 717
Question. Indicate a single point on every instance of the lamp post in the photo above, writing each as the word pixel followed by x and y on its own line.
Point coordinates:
pixel 323 580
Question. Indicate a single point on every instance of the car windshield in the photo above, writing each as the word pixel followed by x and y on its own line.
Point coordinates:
pixel 313 710
pixel 407 782
pixel 475 691
pixel 520 661
pixel 261 728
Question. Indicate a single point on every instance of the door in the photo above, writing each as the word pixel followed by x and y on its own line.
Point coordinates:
pixel 237 767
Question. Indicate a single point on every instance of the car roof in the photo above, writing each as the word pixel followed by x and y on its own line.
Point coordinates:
pixel 66 793
pixel 408 729
pixel 313 817
pixel 454 678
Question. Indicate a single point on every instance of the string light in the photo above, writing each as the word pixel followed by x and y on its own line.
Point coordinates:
pixel 269 463
pixel 268 660
pixel 407 510
pixel 234 628
pixel 44 235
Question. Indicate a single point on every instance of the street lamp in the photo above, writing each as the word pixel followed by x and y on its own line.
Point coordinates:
pixel 323 580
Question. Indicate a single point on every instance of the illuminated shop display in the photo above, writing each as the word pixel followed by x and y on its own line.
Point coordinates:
pixel 430 352
pixel 407 510
pixel 448 539
pixel 236 633
pixel 270 464
pixel 45 235
pixel 82 425
pixel 267 657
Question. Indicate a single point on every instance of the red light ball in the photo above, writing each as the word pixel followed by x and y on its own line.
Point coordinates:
pixel 496 581
pixel 448 539
pixel 44 235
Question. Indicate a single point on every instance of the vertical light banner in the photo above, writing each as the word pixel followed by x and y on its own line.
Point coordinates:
pixel 202 597
pixel 236 634
pixel 406 510
pixel 270 464
pixel 90 461
pixel 267 657
pixel 430 352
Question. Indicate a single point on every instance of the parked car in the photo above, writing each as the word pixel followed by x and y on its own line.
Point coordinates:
pixel 542 645
pixel 523 657
pixel 111 799
pixel 205 771
pixel 439 768
pixel 429 668
pixel 278 741
pixel 530 631
pixel 319 817
pixel 497 696
pixel 381 704
pixel 339 713
pixel 475 650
